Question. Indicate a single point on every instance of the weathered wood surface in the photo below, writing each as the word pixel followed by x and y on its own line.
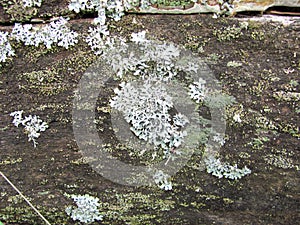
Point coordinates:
pixel 212 6
pixel 13 11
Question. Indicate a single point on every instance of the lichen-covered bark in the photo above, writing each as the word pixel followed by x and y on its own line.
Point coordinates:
pixel 259 66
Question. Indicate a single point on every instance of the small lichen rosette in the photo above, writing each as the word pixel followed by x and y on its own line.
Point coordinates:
pixel 86 210
pixel 222 169
pixel 33 125
pixel 32 3
pixel 6 49
pixel 147 109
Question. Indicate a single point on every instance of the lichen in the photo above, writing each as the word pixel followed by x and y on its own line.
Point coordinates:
pixel 282 158
pixel 9 161
pixel 17 12
pixel 46 82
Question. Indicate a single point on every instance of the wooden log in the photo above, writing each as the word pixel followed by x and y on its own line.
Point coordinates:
pixel 212 6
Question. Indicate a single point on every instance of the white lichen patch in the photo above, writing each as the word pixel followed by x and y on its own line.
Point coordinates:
pixel 86 210
pixel 234 64
pixel 32 3
pixel 220 169
pixel 57 32
pixel 5 47
pixel 33 125
pixel 162 180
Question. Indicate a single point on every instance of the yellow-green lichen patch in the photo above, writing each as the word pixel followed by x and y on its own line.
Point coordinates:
pixel 46 82
pixel 264 123
pixel 126 26
pixel 20 214
pixel 234 64
pixel 55 107
pixel 196 43
pixel 258 35
pixel 282 158
pixel 230 32
pixel 53 79
pixel 174 2
pixel 258 143
pixel 286 96
pixel 76 63
pixel 262 85
pixel 235 115
pixel 16 199
pixel 35 54
pixel 10 161
pixel 259 87
pixel 133 208
pixel 17 12
pixel 79 161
